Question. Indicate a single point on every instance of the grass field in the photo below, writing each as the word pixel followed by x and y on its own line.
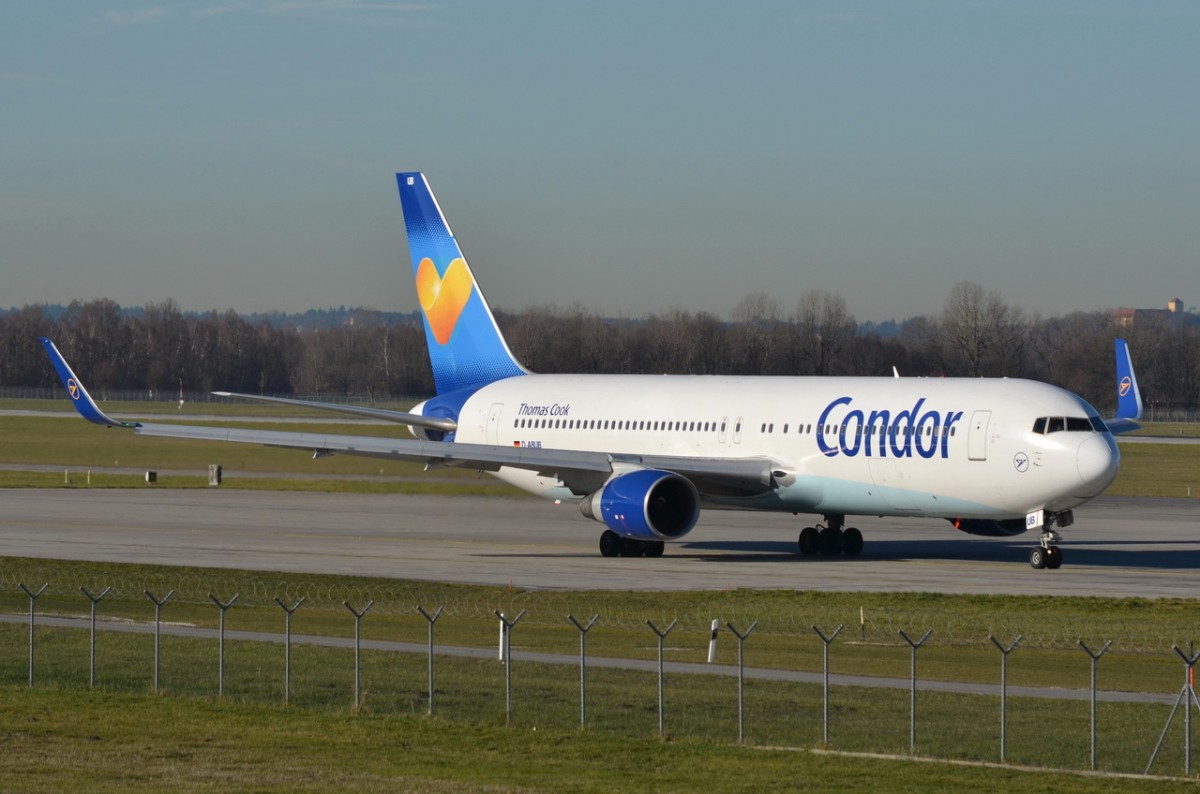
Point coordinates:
pixel 61 736
pixel 701 710
pixel 75 446
pixel 69 740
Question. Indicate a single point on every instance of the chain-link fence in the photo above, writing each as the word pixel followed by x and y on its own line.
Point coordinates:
pixel 1043 629
pixel 802 677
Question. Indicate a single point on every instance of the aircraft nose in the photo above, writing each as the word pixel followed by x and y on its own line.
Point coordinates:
pixel 1098 460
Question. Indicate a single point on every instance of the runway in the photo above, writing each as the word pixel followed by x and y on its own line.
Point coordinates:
pixel 1117 547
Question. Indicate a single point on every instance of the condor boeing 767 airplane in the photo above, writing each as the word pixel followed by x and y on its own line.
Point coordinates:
pixel 643 454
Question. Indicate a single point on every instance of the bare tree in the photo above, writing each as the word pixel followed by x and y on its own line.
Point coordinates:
pixel 981 335
pixel 823 329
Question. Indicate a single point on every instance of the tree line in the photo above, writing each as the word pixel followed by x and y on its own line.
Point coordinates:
pixel 977 334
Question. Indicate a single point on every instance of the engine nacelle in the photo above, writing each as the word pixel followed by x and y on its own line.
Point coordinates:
pixel 647 504
pixel 425 433
pixel 983 526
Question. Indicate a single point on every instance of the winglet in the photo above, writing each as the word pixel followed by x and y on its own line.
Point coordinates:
pixel 79 396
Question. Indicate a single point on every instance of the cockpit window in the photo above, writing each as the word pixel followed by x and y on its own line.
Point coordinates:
pixel 1044 425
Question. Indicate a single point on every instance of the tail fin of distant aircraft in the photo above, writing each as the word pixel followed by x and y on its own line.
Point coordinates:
pixel 1129 397
pixel 466 347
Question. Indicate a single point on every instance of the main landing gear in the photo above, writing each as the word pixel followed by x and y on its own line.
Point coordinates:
pixel 613 545
pixel 831 539
pixel 1046 554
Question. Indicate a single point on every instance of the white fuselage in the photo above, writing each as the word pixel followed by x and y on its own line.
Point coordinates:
pixel 952 448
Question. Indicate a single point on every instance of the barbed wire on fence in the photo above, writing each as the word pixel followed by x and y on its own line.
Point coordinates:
pixel 1040 631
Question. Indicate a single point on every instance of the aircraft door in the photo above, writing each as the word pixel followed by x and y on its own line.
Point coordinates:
pixel 977 435
pixel 737 431
pixel 721 430
pixel 493 423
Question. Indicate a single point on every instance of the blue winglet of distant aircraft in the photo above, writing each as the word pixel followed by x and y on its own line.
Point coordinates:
pixel 1129 397
pixel 78 394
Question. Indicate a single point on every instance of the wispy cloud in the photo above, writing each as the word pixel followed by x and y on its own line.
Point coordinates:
pixel 142 16
pixel 306 7
pixel 343 5
pixel 18 78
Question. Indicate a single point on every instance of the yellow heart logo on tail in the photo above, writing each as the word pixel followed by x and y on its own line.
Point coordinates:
pixel 443 298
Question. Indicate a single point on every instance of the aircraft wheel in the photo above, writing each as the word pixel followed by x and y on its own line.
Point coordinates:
pixel 1037 557
pixel 809 539
pixel 831 541
pixel 633 548
pixel 611 543
pixel 1054 558
pixel 655 548
pixel 852 542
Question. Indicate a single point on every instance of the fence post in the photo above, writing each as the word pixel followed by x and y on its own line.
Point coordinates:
pixel 506 626
pixel 662 635
pixel 221 641
pixel 431 620
pixel 33 597
pixel 912 700
pixel 1187 696
pixel 287 645
pixel 825 680
pixel 358 616
pixel 583 630
pixel 158 605
pixel 95 599
pixel 742 678
pixel 1004 688
pixel 1095 657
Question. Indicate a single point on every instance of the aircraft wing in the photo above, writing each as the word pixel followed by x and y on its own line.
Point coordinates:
pixel 445 425
pixel 581 471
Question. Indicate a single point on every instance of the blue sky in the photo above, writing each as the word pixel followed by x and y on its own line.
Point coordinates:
pixel 631 157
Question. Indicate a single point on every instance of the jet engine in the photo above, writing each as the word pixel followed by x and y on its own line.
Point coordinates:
pixel 425 433
pixel 647 504
pixel 981 526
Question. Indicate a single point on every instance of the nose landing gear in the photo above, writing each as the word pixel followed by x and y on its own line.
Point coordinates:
pixel 1046 554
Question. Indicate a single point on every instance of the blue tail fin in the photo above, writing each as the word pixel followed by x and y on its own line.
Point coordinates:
pixel 465 344
pixel 1129 397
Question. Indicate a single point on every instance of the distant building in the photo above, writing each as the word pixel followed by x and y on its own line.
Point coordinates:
pixel 1175 315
